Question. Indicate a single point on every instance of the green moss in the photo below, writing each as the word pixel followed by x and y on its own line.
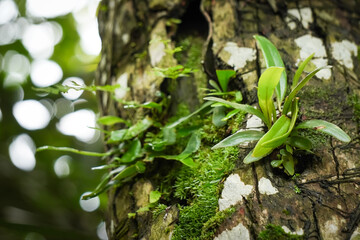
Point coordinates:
pixel 158 210
pixel 201 188
pixel 354 101
pixel 211 225
pixel 274 232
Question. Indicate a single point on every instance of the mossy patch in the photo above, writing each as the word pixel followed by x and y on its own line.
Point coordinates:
pixel 201 188
pixel 211 225
pixel 274 232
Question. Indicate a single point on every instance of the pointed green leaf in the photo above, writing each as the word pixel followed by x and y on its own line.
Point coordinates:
pixel 218 115
pixel 276 163
pixel 280 127
pixel 298 87
pixel 183 119
pixel 133 131
pixel 300 70
pixel 289 165
pixel 111 120
pixel 224 77
pixel 239 138
pixel 266 86
pixel 299 142
pixel 189 162
pixel 325 127
pixel 215 85
pixel 132 153
pixel 191 147
pixel 250 158
pixel 243 107
pixel 277 141
pixel 154 196
pixel 230 114
pixel 273 58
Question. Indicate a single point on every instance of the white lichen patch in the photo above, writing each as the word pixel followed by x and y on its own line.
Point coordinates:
pixel 236 233
pixel 343 52
pixel 122 80
pixel 239 56
pixel 356 234
pixel 233 192
pixel 254 123
pixel 266 187
pixel 298 231
pixel 309 45
pixel 156 51
pixel 332 227
pixel 125 38
pixel 304 15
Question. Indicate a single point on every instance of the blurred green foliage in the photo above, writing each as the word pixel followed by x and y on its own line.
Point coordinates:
pixel 39 204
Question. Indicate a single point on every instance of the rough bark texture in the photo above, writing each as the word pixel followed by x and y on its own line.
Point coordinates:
pixel 327 204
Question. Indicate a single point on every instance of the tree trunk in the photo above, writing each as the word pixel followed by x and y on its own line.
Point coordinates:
pixel 239 200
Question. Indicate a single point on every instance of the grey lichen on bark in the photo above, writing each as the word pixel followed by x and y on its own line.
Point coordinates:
pixel 327 206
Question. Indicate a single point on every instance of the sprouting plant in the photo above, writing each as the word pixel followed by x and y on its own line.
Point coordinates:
pixel 280 117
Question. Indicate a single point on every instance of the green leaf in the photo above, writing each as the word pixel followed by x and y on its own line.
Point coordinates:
pixel 266 86
pixel 117 135
pixel 132 153
pixel 243 107
pixel 183 119
pixel 273 58
pixel 238 96
pixel 111 120
pixel 230 114
pixel 239 138
pixel 289 165
pixel 325 127
pixel 300 70
pixel 72 150
pixel 154 196
pixel 192 146
pixel 105 183
pixel 279 128
pixel 277 141
pixel 154 105
pixel 189 162
pixel 276 163
pixel 298 87
pixel 215 85
pixel 218 115
pixel 133 131
pixel 250 158
pixel 299 142
pixel 224 77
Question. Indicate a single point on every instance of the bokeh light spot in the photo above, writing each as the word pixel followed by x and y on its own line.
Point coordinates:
pixel 45 73
pixel 62 107
pixel 40 39
pixel 31 114
pixel 62 166
pixel 78 124
pixel 8 11
pixel 75 82
pixel 101 231
pixel 22 151
pixel 89 205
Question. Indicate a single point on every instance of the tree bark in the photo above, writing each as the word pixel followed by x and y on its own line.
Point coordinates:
pixel 323 201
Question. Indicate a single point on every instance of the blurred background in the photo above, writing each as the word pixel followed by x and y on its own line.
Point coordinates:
pixel 42 43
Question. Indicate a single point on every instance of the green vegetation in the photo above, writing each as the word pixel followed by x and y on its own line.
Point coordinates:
pixel 274 232
pixel 281 122
pixel 201 189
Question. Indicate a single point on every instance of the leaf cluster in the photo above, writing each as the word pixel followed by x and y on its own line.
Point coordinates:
pixel 279 115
